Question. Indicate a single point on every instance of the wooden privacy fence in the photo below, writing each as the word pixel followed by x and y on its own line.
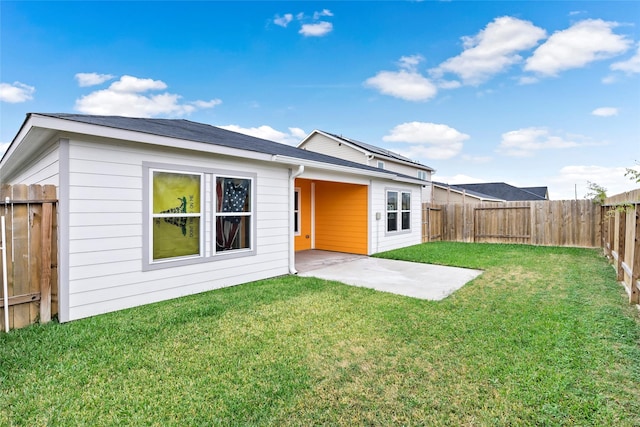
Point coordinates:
pixel 548 223
pixel 621 239
pixel 31 254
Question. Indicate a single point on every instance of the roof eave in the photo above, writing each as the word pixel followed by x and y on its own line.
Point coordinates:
pixel 71 126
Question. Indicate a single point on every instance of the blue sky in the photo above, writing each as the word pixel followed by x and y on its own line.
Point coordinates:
pixel 529 93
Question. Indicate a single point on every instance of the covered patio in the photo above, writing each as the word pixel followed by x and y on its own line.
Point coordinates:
pixel 416 280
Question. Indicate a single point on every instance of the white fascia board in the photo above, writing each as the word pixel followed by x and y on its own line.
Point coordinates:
pixel 146 138
pixel 404 162
pixel 412 180
pixel 21 135
pixel 338 140
pixel 328 166
pixel 294 161
pixel 306 138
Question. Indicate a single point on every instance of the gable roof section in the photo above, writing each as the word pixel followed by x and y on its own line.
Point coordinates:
pixel 371 149
pixel 504 191
pixel 181 129
pixel 540 191
pixel 458 189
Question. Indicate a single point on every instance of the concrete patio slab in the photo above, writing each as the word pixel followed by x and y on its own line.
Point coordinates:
pixel 424 281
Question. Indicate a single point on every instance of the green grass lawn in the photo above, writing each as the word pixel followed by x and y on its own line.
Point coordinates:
pixel 544 337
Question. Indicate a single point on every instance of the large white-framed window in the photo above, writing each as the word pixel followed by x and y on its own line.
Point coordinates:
pixel 176 214
pixel 233 213
pixel 193 215
pixel 398 211
pixel 296 211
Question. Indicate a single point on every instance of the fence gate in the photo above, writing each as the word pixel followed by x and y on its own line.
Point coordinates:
pixel 502 224
pixel 432 224
pixel 31 250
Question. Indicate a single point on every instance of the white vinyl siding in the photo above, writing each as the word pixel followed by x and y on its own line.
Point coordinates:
pixel 322 144
pixel 404 169
pixel 380 240
pixel 105 216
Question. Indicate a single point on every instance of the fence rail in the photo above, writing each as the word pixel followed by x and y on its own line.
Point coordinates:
pixel 548 223
pixel 31 251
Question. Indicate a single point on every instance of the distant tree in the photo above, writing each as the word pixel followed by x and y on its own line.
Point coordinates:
pixel 597 193
pixel 633 174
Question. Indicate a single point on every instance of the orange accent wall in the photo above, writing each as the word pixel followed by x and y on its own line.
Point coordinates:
pixel 302 242
pixel 341 219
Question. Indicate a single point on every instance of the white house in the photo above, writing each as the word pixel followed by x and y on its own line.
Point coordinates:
pixel 153 209
pixel 370 155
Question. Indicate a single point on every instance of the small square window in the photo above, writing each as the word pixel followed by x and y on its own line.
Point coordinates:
pixel 296 212
pixel 398 211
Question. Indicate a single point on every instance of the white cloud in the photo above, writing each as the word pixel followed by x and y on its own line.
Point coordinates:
pixel 605 111
pixel 630 66
pixel 318 29
pixel 283 21
pixel 428 140
pixel 294 136
pixel 16 92
pixel 405 84
pixel 324 12
pixel 492 50
pixel 525 142
pixel 125 97
pixel 92 79
pixel 573 180
pixel 411 62
pixel 584 42
pixel 206 104
pixel 128 84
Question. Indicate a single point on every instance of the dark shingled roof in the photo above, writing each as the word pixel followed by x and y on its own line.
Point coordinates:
pixel 200 132
pixel 468 192
pixel 377 150
pixel 540 191
pixel 504 191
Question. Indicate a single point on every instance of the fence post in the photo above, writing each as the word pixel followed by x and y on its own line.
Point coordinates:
pixel 45 279
pixel 634 294
pixel 622 225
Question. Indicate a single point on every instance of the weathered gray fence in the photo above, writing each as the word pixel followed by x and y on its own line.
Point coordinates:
pixel 621 239
pixel 548 223
pixel 31 250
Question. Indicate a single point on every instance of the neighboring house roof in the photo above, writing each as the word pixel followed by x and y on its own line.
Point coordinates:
pixel 540 191
pixel 372 149
pixel 506 192
pixel 204 133
pixel 460 190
